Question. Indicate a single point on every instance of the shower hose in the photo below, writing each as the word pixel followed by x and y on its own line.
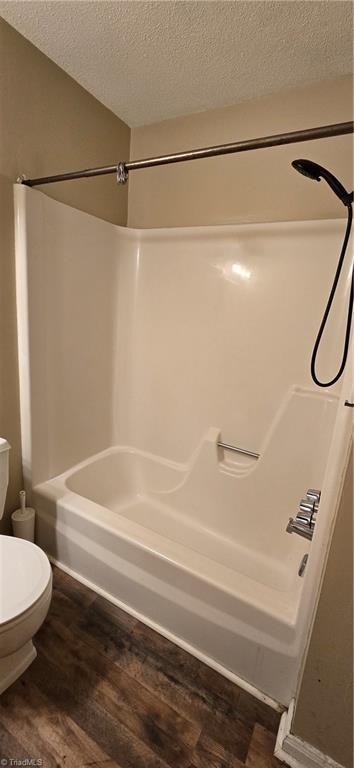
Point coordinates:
pixel 328 309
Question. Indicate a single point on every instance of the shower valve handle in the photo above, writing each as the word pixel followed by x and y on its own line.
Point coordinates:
pixel 309 506
pixel 313 494
pixel 306 512
pixel 304 522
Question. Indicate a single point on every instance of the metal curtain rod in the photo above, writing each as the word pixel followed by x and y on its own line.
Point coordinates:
pixel 122 169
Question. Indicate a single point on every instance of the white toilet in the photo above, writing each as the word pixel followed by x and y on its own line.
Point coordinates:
pixel 25 592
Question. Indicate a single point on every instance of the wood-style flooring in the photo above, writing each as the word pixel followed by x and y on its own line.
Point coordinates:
pixel 108 692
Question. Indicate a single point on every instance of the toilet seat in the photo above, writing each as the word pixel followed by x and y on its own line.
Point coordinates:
pixel 25 575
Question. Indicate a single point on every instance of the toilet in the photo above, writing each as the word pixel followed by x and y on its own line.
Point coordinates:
pixel 25 592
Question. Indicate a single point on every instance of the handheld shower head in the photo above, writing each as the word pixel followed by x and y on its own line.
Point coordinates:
pixel 316 172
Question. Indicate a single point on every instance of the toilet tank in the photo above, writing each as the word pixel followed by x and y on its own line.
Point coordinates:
pixel 4 472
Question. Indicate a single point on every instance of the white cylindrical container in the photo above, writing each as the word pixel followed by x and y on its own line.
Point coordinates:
pixel 23 520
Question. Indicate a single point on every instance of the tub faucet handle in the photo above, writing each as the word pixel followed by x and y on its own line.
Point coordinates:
pixel 313 494
pixel 307 507
pixel 305 520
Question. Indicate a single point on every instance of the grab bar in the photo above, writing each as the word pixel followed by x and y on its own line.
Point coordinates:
pixel 238 450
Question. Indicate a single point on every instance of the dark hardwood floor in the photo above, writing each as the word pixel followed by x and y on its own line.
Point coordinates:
pixel 106 691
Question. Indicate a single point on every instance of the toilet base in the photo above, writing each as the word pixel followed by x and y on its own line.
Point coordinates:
pixel 12 666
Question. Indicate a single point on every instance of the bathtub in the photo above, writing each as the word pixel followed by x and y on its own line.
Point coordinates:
pixel 199 550
pixel 138 350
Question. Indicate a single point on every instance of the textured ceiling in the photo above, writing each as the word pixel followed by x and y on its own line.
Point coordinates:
pixel 149 61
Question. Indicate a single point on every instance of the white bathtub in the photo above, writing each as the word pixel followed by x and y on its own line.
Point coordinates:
pixel 199 550
pixel 136 345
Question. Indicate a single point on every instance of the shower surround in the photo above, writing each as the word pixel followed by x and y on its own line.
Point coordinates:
pixel 139 351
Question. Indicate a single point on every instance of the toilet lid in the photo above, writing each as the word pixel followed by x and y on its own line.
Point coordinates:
pixel 24 575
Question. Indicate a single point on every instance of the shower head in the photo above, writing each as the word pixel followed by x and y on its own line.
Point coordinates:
pixel 316 172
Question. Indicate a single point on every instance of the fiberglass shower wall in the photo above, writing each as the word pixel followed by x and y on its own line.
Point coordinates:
pixel 67 269
pixel 215 326
pixel 149 338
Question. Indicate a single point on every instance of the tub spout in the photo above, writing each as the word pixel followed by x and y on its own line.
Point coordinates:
pixel 303 529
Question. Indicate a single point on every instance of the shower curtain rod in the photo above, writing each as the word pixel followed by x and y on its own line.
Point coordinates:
pixel 122 169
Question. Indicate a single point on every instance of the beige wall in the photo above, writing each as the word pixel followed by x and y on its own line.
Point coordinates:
pixel 324 715
pixel 253 186
pixel 48 124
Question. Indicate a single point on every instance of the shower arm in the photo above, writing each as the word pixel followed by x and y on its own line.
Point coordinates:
pixel 123 169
